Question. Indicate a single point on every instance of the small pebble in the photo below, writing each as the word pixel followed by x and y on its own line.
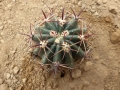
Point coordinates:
pixel 24 80
pixel 96 13
pixel 16 70
pixel 55 85
pixel 2 41
pixel 7 75
pixel 99 2
pixel 80 3
pixel 13 52
pixel 115 36
pixel 108 19
pixel 96 57
pixel 104 1
pixel 15 80
pixel 10 88
pixel 20 88
pixel 115 73
pixel 88 65
pixel 50 85
pixel 86 83
pixel 7 63
pixel 1 33
pixel 76 73
pixel 4 87
pixel 1 27
pixel 1 81
pixel 12 76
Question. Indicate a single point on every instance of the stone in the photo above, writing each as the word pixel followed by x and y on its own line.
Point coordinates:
pixel 2 41
pixel 88 65
pixel 11 76
pixel 24 80
pixel 86 83
pixel 8 81
pixel 15 80
pixel 80 3
pixel 7 75
pixel 20 88
pixel 93 9
pixel 1 33
pixel 10 88
pixel 115 73
pixel 96 57
pixel 108 19
pixel 55 85
pixel 96 13
pixel 9 6
pixel 113 9
pixel 1 81
pixel 104 1
pixel 16 70
pixel 115 36
pixel 7 63
pixel 99 2
pixel 75 1
pixel 13 52
pixel 4 87
pixel 76 73
pixel 50 85
pixel 1 27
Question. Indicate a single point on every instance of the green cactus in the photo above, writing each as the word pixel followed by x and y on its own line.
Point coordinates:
pixel 58 40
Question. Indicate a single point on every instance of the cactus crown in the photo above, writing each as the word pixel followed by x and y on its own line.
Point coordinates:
pixel 58 40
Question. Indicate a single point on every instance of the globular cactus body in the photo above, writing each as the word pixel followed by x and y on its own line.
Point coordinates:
pixel 59 40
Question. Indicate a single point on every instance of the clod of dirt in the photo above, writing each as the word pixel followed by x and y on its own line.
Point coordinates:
pixel 1 81
pixel 76 73
pixel 115 36
pixel 4 87
pixel 113 9
pixel 16 70
pixel 88 65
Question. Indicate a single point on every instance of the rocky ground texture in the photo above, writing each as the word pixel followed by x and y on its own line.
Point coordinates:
pixel 18 70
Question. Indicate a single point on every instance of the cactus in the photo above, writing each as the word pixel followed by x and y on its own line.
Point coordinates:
pixel 58 40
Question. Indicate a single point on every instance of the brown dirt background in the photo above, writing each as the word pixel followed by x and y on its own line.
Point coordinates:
pixel 15 16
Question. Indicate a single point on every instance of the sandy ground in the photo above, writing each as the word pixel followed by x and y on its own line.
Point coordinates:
pixel 19 72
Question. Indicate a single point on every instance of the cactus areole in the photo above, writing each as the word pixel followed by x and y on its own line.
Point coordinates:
pixel 58 40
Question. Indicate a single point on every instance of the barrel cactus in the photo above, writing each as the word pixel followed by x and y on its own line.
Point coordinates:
pixel 58 40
